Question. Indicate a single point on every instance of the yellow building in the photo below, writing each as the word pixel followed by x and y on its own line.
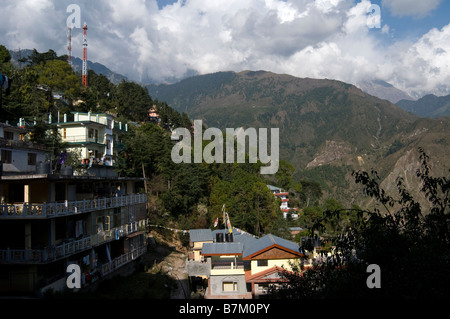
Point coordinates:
pixel 238 265
pixel 268 256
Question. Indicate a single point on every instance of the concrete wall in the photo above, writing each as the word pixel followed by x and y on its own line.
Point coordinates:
pixel 218 286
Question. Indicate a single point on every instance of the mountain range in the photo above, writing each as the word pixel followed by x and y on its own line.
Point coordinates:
pixel 327 128
pixel 428 106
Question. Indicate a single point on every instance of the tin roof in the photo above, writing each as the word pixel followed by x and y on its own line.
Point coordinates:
pixel 196 235
pixel 267 241
pixel 223 248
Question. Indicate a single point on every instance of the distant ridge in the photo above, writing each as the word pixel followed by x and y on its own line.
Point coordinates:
pixel 328 128
pixel 428 106
pixel 98 68
pixel 383 90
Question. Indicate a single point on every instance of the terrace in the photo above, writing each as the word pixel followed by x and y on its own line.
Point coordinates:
pixel 65 208
pixel 69 247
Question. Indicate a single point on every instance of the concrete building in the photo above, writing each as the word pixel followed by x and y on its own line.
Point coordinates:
pixel 94 136
pixel 18 154
pixel 49 221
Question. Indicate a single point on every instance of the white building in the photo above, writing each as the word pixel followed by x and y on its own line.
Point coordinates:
pixel 18 155
pixel 94 136
pixel 284 196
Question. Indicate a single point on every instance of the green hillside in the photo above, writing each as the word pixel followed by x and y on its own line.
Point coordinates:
pixel 327 128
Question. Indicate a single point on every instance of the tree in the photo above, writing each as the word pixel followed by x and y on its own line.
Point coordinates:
pixel 284 175
pixel 58 76
pixel 131 101
pixel 409 242
pixel 310 193
pixel 36 58
pixel 5 57
pixel 248 200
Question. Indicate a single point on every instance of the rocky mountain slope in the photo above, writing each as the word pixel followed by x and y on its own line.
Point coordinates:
pixel 327 128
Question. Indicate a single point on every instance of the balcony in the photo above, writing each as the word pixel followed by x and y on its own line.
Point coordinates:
pixel 56 209
pixel 83 139
pixel 227 268
pixel 69 247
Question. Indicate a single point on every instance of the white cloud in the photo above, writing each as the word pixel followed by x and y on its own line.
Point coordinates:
pixel 321 38
pixel 424 66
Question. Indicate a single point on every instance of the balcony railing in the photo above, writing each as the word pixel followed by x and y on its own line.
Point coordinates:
pixel 56 209
pixel 84 139
pixel 122 260
pixel 53 253
pixel 227 265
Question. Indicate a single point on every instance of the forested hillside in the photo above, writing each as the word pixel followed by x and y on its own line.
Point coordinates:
pixel 327 128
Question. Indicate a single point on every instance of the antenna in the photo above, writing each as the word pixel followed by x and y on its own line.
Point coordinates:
pixel 84 79
pixel 69 45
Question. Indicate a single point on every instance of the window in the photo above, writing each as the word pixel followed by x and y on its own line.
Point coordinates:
pixel 9 135
pixel 229 286
pixel 262 263
pixel 31 158
pixel 103 223
pixel 6 157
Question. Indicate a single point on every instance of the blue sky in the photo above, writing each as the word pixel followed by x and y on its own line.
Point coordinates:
pixel 162 40
pixel 413 27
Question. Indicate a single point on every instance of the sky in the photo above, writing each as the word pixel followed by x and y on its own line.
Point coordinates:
pixel 403 42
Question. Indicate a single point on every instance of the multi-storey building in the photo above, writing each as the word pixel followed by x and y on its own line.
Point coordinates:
pixel 50 220
pixel 94 136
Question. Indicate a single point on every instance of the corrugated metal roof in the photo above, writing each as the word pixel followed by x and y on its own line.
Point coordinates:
pixel 223 248
pixel 268 241
pixel 274 188
pixel 196 235
pixel 243 243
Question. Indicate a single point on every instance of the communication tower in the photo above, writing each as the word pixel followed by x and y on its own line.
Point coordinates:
pixel 84 79
pixel 69 45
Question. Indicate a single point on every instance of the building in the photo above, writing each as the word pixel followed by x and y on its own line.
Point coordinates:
pixel 18 154
pixel 50 220
pixel 284 197
pixel 198 237
pixel 95 137
pixel 238 265
pixel 268 256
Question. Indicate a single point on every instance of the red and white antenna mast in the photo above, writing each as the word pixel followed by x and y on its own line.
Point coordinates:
pixel 84 80
pixel 69 45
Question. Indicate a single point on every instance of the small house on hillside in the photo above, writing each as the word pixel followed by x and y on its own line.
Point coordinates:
pixel 283 195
